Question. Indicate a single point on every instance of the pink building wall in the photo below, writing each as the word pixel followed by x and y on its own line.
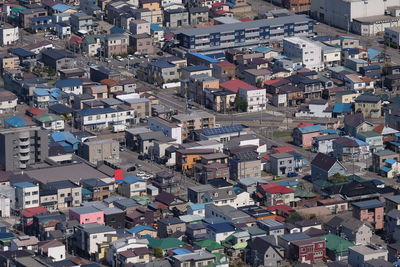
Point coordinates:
pixel 93 217
pixel 375 217
pixel 307 138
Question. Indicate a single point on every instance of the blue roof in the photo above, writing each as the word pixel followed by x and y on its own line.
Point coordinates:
pixel 332 131
pixel 199 206
pixel 40 18
pixel 311 129
pixel 117 29
pixel 86 191
pixel 65 136
pixel 95 111
pixel 72 82
pixel 155 27
pixel 342 108
pixel 202 56
pixel 262 49
pixel 61 7
pixel 130 180
pixel 359 142
pixel 24 185
pixel 6 235
pixel 289 184
pixel 377 182
pixel 138 228
pixel 22 52
pixel 41 92
pixel 390 161
pixel 395 143
pixel 181 251
pixel 197 68
pixel 15 122
pixel 371 67
pixel 373 53
pixel 219 56
pixel 221 227
pixel 223 130
pixel 162 64
pixel 385 169
pixel 352 51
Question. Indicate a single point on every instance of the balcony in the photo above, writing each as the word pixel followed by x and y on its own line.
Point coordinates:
pixel 24 149
pixel 24 156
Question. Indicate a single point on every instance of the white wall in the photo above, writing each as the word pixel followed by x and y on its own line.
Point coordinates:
pixel 57 253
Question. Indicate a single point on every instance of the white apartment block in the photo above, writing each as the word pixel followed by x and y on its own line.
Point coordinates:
pixel 26 195
pixel 5 206
pixel 170 129
pixel 9 35
pixel 304 49
pixel 256 99
pixel 392 36
pixel 100 118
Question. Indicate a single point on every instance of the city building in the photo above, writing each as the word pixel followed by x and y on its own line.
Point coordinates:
pixel 304 49
pixel 242 34
pixel 9 35
pixel 26 195
pixel 22 147
pixel 115 44
pixel 95 151
pixel 371 211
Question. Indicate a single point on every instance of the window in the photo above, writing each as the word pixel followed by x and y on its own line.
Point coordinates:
pixel 87 219
pixel 62 195
pixel 98 218
pixel 76 193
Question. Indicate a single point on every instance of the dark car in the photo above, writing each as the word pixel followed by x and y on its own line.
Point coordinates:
pixel 292 174
pixel 131 169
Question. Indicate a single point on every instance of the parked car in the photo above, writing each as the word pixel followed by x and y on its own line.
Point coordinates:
pixel 140 174
pixel 131 169
pixel 292 174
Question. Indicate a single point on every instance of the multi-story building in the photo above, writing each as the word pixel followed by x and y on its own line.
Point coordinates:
pixel 174 18
pixel 86 215
pixel 297 6
pixel 256 99
pixel 371 211
pixel 26 195
pixel 359 255
pixel 160 72
pixel 197 85
pixel 275 194
pixel 142 43
pixel 115 44
pixel 139 26
pixel 308 249
pixel 26 15
pixel 58 59
pixel 245 165
pixel 369 105
pixel 68 193
pixel 304 49
pixel 96 118
pixel 170 129
pixel 194 121
pixel 282 163
pixel 99 150
pixel 242 34
pixel 8 101
pixel 22 147
pixel 82 23
pixel 9 35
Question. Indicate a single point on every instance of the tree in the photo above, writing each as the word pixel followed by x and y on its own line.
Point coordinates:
pixel 295 217
pixel 259 82
pixel 241 104
pixel 338 178
pixel 158 253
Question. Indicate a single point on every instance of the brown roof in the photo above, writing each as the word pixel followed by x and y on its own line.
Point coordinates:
pixel 354 120
pixel 323 161
pixel 109 82
pixel 195 151
pixel 7 95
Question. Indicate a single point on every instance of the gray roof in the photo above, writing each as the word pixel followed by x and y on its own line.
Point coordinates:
pixel 251 181
pixel 93 228
pixel 368 204
pixel 281 155
pixel 326 137
pixel 369 134
pixel 385 152
pixel 155 136
pixel 270 224
pixel 243 25
pixel 353 224
pixel 294 237
pixel 395 198
pixel 84 210
pixel 195 256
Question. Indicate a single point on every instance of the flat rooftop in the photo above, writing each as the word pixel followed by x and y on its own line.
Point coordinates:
pixel 73 172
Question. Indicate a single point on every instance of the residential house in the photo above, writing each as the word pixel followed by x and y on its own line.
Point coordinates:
pixel 392 223
pixel 198 15
pixel 323 167
pixel 310 249
pixel 347 148
pixel 98 118
pixel 81 23
pixel 275 194
pixel 160 72
pixel 26 15
pixel 194 121
pixel 392 82
pixel 50 121
pixel 86 238
pixel 323 143
pixel 196 258
pixel 86 215
pixel 369 105
pixel 316 108
pixel 171 226
pixel 96 151
pixel 100 189
pixel 24 243
pixel 356 231
pixel 8 101
pixel 224 70
pixel 261 251
pixel 219 231
pixel 245 164
pixel 271 227
pixel 373 139
pixel 359 255
pixel 68 193
pixel 70 86
pixel 58 59
pixel 355 123
pixel 392 203
pixel 303 136
pixel 337 247
pixel 115 44
pixel 371 211
pixel 174 18
pixel 26 195
pixel 346 97
pixel 379 159
pixel 227 213
pixel 282 163
pixel 9 35
pixel 131 186
pixel 52 249
pixel 142 43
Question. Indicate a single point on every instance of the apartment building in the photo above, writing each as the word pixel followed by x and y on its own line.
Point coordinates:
pixel 26 15
pixel 82 23
pixel 242 34
pixel 22 147
pixel 9 35
pixel 99 150
pixel 304 49
pixel 256 99
pixel 116 44
pixel 26 195
pixel 194 121
pixel 97 118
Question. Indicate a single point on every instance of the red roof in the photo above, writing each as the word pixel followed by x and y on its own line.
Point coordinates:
pixel 270 82
pixel 234 85
pixel 224 63
pixel 266 156
pixel 35 111
pixel 304 124
pixel 283 149
pixel 30 212
pixel 276 189
pixel 218 4
pixel 169 36
pixel 284 208
pixel 75 39
pixel 245 19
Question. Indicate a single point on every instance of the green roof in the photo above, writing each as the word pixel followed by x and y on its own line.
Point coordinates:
pixel 165 243
pixel 48 117
pixel 337 244
pixel 228 242
pixel 325 183
pixel 303 193
pixel 209 245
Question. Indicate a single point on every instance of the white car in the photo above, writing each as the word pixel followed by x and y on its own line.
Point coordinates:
pixel 120 59
pixel 141 174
